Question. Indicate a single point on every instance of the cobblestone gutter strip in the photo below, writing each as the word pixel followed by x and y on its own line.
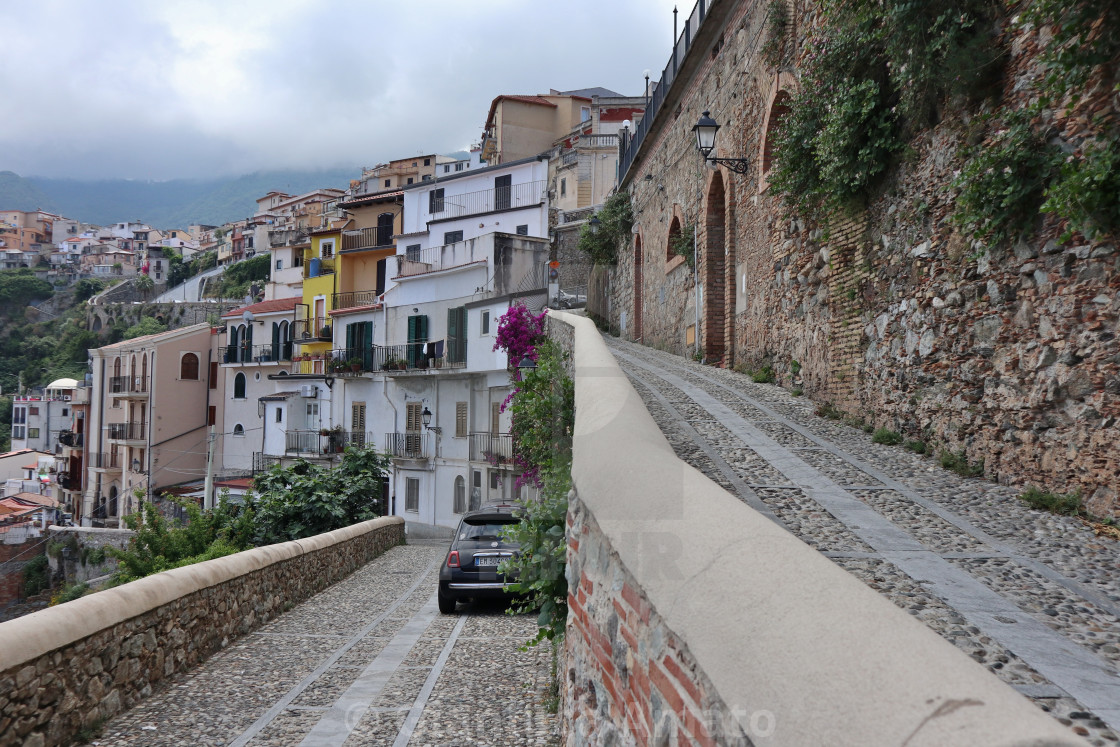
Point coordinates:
pixel 776 629
pixel 72 666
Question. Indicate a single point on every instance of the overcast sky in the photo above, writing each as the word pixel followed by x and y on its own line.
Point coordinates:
pixel 165 89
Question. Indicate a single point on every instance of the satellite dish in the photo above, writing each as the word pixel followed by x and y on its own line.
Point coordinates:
pixel 248 317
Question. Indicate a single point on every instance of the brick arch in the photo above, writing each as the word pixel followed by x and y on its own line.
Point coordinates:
pixel 778 103
pixel 639 262
pixel 715 269
pixel 676 226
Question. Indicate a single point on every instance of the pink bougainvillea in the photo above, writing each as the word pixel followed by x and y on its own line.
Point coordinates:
pixel 519 333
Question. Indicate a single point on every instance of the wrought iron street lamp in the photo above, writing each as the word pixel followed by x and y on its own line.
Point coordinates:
pixel 594 223
pixel 526 365
pixel 426 418
pixel 706 129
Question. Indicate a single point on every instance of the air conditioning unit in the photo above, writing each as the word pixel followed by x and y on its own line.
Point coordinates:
pixel 308 390
pixel 66 398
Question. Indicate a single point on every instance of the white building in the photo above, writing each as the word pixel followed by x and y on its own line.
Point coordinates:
pixel 38 416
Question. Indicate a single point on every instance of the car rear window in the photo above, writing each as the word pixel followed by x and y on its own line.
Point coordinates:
pixel 487 529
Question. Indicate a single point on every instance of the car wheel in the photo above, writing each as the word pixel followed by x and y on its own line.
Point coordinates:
pixel 446 604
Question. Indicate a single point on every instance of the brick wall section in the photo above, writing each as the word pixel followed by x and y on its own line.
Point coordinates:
pixel 12 560
pixel 45 700
pixel 628 679
pixel 1009 353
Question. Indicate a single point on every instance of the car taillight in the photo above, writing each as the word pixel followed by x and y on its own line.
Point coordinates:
pixel 453 559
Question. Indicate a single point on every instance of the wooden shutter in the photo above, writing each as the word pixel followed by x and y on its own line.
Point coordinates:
pixel 495 416
pixel 213 374
pixel 457 335
pixel 412 421
pixel 358 423
pixel 417 335
pixel 461 419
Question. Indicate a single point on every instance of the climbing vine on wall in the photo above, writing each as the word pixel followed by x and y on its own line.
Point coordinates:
pixel 616 218
pixel 876 73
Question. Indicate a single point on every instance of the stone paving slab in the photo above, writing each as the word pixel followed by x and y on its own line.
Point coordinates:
pixel 352 665
pixel 1031 596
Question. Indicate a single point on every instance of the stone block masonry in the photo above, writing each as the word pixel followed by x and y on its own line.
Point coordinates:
pixel 1009 353
pixel 73 666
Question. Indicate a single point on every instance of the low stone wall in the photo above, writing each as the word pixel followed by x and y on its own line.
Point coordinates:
pixel 73 551
pixel 74 665
pixel 693 618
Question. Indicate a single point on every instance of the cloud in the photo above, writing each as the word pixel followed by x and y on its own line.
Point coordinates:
pixel 128 88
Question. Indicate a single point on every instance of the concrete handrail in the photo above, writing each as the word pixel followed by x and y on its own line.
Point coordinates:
pixel 26 638
pixel 773 625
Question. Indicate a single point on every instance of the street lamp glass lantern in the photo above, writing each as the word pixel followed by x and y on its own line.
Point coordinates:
pixel 705 130
pixel 595 223
pixel 426 416
pixel 527 364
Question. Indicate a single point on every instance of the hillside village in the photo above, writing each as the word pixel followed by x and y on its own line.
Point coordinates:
pixel 375 326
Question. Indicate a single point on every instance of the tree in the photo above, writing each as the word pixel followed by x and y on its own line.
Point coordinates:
pixel 144 283
pixel 146 326
pixel 87 288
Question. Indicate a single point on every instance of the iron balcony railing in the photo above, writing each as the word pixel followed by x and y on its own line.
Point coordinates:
pixel 263 462
pixel 318 266
pixel 313 329
pixel 105 460
pixel 68 482
pixel 409 445
pixel 368 238
pixel 350 299
pixel 488 200
pixel 128 385
pixel 631 145
pixel 70 438
pixel 126 431
pixel 414 356
pixel 494 448
pixel 323 442
pixel 256 353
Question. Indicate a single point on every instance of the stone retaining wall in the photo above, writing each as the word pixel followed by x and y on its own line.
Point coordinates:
pixel 76 564
pixel 695 620
pixel 74 665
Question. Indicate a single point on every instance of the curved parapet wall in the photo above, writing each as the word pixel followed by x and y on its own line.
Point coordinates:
pixel 690 614
pixel 71 666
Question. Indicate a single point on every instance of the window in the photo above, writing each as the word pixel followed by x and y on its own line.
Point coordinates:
pixel 213 374
pixel 188 367
pixel 458 167
pixel 410 180
pixel 239 386
pixel 358 422
pixel 435 201
pixel 65 412
pixel 563 187
pixel 32 432
pixel 17 432
pixel 412 253
pixel 495 479
pixel 326 249
pixel 503 188
pixel 279 414
pixel 495 417
pixel 426 177
pixel 584 113
pixel 412 494
pixel 427 162
pixel 279 264
pixel 485 326
pixel 452 237
pixel 388 183
pixel 523 230
pixel 476 490
pixel 460 419
pixel 447 169
pixel 33 411
pixel 239 430
pixel 212 415
pixel 19 415
pixel 460 495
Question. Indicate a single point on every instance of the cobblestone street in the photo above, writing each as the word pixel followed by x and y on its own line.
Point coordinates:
pixel 1033 596
pixel 369 661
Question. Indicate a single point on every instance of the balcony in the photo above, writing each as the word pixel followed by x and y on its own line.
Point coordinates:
pixel 379 237
pixel 410 445
pixel 514 263
pixel 409 357
pixel 131 387
pixel 66 481
pixel 488 200
pixel 314 329
pixel 496 449
pixel 322 443
pixel 314 267
pixel 280 352
pixel 351 299
pixel 110 461
pixel 70 439
pixel 264 462
pixel 126 431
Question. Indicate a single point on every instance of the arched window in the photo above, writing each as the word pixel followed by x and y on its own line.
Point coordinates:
pixel 778 109
pixel 117 366
pixel 132 371
pixel 188 367
pixel 239 386
pixel 144 367
pixel 674 235
pixel 239 430
pixel 460 495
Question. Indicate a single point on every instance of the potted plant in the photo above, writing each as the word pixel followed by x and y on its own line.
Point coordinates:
pixel 325 331
pixel 355 364
pixel 402 364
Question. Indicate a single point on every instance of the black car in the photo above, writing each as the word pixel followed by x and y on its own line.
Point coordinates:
pixel 470 570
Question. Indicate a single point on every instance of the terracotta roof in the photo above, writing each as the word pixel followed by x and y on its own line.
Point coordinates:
pixel 266 307
pixel 36 498
pixel 354 309
pixel 237 482
pixel 371 197
pixel 125 344
pixel 539 100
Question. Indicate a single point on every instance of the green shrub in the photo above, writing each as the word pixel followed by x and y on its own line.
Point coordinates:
pixel 683 244
pixel 36 575
pixel 764 375
pixel 616 218
pixel 886 436
pixel 918 447
pixel 828 410
pixel 1086 192
pixel 795 392
pixel 69 593
pixel 1067 504
pixel 959 463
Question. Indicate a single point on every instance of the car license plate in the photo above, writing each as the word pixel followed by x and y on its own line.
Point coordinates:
pixel 488 560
